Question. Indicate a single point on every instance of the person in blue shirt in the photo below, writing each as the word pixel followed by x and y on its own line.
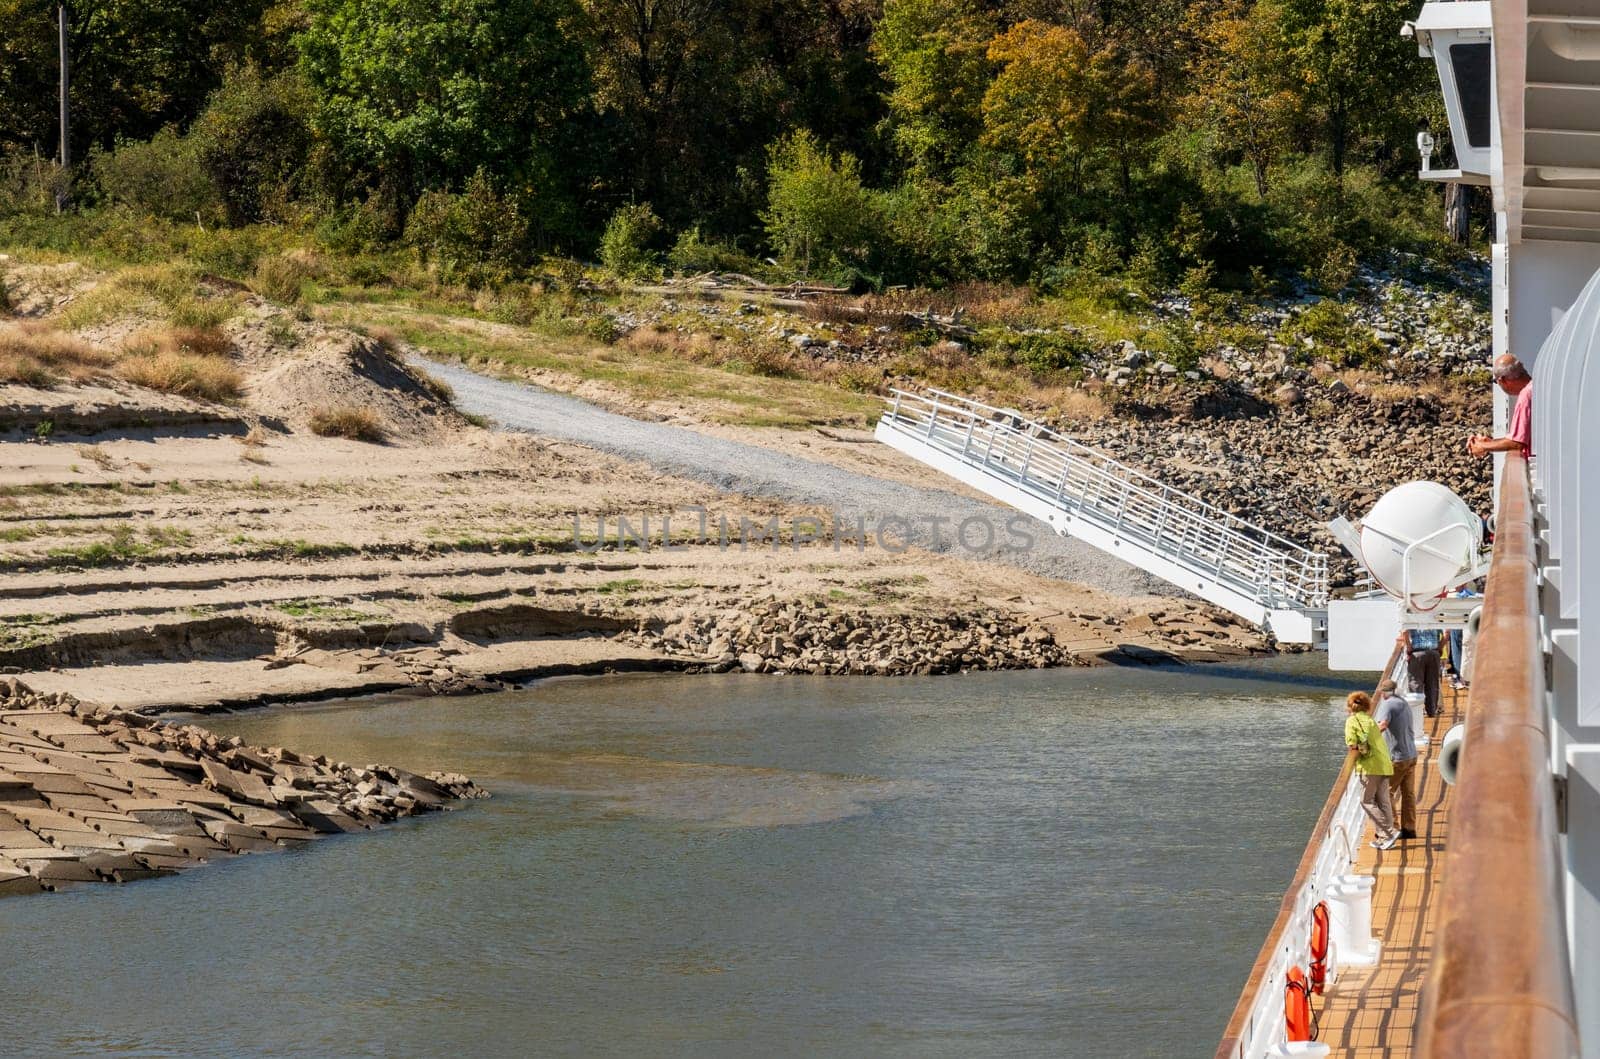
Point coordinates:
pixel 1458 678
pixel 1422 661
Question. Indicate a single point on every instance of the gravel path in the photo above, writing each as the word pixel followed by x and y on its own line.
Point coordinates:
pixel 735 467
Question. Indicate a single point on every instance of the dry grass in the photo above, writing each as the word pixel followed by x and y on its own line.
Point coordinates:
pixel 346 421
pixel 187 361
pixel 1076 405
pixel 750 356
pixel 251 445
pixel 97 456
pixel 1457 397
pixel 281 279
pixel 440 389
pixel 658 341
pixel 387 337
pixel 980 304
pixel 34 355
pixel 202 377
pixel 201 341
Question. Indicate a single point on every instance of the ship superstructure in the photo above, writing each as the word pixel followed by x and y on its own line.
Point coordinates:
pixel 1484 939
pixel 1506 944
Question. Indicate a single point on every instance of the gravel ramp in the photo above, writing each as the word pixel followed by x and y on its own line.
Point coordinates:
pixel 752 470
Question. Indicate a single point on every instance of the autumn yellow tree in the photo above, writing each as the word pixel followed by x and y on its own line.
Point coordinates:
pixel 1244 95
pixel 1037 106
pixel 932 52
pixel 1056 102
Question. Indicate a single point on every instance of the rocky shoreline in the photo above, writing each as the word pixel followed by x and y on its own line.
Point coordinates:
pixel 90 794
pixel 773 636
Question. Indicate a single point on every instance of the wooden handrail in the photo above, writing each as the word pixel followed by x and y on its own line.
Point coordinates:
pixel 1500 983
pixel 1239 1021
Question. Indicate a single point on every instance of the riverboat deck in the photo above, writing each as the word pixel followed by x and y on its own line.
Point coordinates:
pixel 1374 1013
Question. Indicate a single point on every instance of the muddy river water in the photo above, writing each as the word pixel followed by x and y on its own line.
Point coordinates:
pixel 1077 863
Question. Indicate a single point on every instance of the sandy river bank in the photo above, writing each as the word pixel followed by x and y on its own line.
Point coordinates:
pixel 166 550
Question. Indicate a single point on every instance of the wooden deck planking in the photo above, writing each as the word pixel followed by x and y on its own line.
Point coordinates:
pixel 1373 1012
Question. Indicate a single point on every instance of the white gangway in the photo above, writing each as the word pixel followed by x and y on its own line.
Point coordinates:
pixel 1266 579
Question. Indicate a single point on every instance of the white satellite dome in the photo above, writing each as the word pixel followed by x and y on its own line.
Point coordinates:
pixel 1450 531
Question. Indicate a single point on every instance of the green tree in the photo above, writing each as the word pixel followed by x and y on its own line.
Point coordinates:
pixel 422 93
pixel 934 54
pixel 253 142
pixel 1356 70
pixel 27 75
pixel 1125 110
pixel 137 65
pixel 818 212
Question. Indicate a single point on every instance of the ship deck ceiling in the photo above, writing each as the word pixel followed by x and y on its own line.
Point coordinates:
pixel 1370 1013
pixel 1550 90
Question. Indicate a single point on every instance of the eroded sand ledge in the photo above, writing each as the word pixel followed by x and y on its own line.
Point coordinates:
pixel 89 794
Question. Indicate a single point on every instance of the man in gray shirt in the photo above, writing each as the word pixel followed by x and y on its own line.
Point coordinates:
pixel 1393 715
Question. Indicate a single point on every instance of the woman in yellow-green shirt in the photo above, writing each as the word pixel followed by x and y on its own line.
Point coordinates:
pixel 1365 740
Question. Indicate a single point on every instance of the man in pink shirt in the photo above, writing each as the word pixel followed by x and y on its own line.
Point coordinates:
pixel 1514 379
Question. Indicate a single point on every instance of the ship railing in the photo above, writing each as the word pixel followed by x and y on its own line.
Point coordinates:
pixel 1500 981
pixel 1083 483
pixel 1257 1026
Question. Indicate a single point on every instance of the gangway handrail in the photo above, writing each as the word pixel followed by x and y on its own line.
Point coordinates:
pixel 1500 982
pixel 1082 483
pixel 1257 1020
pixel 1155 485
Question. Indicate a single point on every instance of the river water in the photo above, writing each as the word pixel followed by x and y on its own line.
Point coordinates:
pixel 1077 863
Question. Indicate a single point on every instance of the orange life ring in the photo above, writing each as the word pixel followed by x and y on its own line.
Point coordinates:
pixel 1319 947
pixel 1296 1006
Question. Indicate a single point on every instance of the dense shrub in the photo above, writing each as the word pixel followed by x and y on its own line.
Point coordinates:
pixel 280 278
pixel 477 236
pixel 693 253
pixel 1041 353
pixel 29 184
pixel 161 176
pixel 230 252
pixel 819 217
pixel 625 247
pixel 252 143
pixel 1334 334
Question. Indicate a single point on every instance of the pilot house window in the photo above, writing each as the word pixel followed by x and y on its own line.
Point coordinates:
pixel 1470 64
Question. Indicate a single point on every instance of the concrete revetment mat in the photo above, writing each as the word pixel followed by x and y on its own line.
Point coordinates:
pixel 89 794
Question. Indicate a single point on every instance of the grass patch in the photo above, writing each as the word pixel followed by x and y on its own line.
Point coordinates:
pixel 620 588
pixel 299 549
pixel 321 610
pixel 348 421
pixel 204 377
pixel 124 545
pixel 26 630
pixel 33 356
